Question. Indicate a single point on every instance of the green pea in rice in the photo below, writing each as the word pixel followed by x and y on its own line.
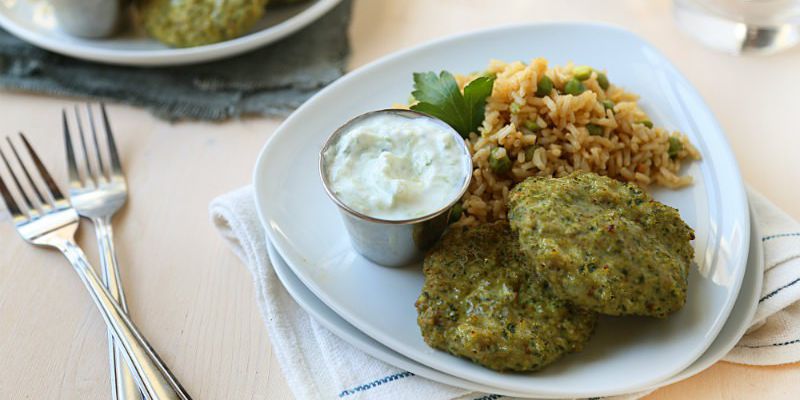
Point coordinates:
pixel 628 149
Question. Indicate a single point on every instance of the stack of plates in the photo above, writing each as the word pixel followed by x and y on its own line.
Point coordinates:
pixel 372 307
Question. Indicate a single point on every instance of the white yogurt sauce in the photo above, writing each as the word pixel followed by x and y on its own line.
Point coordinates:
pixel 395 168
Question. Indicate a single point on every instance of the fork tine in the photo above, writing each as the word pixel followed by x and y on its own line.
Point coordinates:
pixel 48 180
pixel 72 165
pixel 7 198
pixel 16 181
pixel 89 172
pixel 116 166
pixel 103 171
pixel 35 188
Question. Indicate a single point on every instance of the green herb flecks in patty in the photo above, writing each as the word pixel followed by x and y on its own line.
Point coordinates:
pixel 602 244
pixel 188 23
pixel 481 300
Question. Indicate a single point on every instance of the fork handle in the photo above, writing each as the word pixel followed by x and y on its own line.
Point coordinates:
pixel 156 381
pixel 123 384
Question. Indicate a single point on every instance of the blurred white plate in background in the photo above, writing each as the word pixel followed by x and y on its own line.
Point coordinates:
pixel 33 21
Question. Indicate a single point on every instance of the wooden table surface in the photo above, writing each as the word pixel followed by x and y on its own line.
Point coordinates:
pixel 194 300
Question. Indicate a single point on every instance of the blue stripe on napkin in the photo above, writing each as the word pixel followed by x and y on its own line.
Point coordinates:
pixel 776 291
pixel 758 346
pixel 375 383
pixel 780 235
pixel 490 397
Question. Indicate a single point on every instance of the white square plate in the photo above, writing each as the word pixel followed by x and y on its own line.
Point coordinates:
pixel 625 354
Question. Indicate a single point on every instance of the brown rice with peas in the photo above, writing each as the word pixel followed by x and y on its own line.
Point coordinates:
pixel 593 129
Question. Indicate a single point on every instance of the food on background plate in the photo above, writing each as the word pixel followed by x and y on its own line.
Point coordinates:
pixel 188 23
pixel 394 167
pixel 603 245
pixel 177 23
pixel 483 301
pixel 540 121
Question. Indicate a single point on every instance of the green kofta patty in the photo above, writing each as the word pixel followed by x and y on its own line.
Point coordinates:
pixel 188 23
pixel 481 300
pixel 603 245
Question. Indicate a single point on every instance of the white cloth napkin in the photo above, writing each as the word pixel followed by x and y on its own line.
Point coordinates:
pixel 319 365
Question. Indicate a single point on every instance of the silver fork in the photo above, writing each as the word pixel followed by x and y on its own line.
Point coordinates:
pixel 48 219
pixel 97 198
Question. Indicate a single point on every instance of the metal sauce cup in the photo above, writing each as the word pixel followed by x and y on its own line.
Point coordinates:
pixel 90 18
pixel 394 243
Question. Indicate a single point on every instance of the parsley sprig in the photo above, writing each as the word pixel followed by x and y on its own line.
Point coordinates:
pixel 440 97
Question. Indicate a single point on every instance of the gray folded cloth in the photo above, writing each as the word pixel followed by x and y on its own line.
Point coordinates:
pixel 271 81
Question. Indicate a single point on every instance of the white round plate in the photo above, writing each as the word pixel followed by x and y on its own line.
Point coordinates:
pixel 737 324
pixel 33 21
pixel 625 354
